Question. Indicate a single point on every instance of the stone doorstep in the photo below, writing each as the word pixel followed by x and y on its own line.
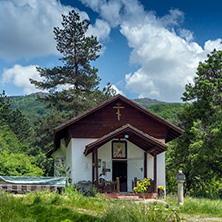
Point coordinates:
pixel 127 197
pixel 131 196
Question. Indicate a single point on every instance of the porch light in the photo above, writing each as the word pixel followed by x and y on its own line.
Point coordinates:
pixel 126 136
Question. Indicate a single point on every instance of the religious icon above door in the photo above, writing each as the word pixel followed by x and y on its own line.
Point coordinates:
pixel 119 150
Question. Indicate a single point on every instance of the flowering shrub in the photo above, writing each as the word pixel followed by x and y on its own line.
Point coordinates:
pixel 160 188
pixel 142 186
pixel 160 191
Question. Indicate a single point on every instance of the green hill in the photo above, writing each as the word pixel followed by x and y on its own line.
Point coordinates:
pixel 145 102
pixel 167 111
pixel 29 105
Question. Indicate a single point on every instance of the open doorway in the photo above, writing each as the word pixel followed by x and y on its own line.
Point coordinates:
pixel 120 170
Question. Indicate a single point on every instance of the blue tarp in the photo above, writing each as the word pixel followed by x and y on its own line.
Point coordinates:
pixel 51 181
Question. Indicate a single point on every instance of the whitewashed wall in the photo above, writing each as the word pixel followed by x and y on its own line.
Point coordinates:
pixel 69 158
pixel 59 157
pixel 161 171
pixel 150 166
pixel 81 165
pixel 105 154
pixel 61 152
pixel 135 159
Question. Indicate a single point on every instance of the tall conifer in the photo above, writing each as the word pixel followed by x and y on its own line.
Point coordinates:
pixel 73 86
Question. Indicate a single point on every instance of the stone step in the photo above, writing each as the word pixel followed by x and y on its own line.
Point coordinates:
pixel 128 197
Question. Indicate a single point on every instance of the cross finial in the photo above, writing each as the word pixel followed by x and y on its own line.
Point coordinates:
pixel 118 107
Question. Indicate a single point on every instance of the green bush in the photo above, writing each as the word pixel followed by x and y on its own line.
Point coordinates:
pixel 142 187
pixel 18 164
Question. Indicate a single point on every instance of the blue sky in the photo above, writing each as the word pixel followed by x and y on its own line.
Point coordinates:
pixel 150 48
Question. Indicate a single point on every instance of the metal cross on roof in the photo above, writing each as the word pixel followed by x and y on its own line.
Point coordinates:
pixel 118 107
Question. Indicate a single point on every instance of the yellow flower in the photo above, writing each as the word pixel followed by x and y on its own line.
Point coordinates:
pixel 160 187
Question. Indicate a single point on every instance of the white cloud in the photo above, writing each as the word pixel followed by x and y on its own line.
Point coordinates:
pixel 115 12
pixel 166 52
pixel 186 34
pixel 20 75
pixel 141 84
pixel 211 45
pixel 26 27
pixel 101 29
pixel 118 91
pixel 167 61
pixel 174 18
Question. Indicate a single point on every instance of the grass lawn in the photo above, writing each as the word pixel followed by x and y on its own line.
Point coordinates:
pixel 203 207
pixel 73 206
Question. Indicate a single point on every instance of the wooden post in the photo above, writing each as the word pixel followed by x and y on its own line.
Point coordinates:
pixel 145 164
pixel 117 185
pixel 135 181
pixel 97 173
pixel 155 172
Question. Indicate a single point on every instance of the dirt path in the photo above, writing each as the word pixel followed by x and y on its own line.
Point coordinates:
pixel 198 218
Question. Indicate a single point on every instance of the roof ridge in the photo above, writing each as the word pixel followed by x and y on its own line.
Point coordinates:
pixel 101 105
pixel 85 113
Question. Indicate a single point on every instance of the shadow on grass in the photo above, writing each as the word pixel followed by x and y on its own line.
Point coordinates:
pixel 13 209
pixel 43 213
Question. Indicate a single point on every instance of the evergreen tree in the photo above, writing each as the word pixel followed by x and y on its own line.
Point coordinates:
pixel 73 86
pixel 4 105
pixel 14 119
pixel 43 135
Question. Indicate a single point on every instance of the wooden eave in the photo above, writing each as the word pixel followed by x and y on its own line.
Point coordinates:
pixel 62 134
pixel 173 131
pixel 144 141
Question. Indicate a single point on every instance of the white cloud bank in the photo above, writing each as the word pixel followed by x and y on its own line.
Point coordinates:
pixel 26 27
pixel 167 55
pixel 118 91
pixel 20 75
pixel 165 51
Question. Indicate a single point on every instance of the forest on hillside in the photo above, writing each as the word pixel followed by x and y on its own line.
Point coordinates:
pixel 26 125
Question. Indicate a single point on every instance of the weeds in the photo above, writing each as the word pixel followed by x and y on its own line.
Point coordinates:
pixel 10 207
pixel 73 206
pixel 132 212
pixel 200 206
pixel 37 199
pixel 40 206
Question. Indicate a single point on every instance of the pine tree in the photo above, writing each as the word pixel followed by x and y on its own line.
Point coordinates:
pixel 73 86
